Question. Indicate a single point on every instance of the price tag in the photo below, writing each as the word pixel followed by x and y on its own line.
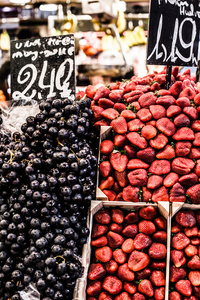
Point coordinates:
pixel 173 37
pixel 43 68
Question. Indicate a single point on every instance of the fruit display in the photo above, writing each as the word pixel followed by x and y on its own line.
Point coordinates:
pixel 128 254
pixel 185 263
pixel 47 180
pixel 153 153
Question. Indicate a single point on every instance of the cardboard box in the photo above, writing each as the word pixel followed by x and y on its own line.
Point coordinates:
pixel 163 208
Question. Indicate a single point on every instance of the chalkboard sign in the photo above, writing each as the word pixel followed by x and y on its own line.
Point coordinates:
pixel 173 37
pixel 43 68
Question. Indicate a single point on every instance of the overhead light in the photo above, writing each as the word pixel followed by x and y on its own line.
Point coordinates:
pixel 19 2
pixel 48 7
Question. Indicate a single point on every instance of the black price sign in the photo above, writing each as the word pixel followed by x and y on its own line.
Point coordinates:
pixel 174 32
pixel 43 68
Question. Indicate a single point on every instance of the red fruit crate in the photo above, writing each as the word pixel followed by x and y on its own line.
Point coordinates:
pixel 163 210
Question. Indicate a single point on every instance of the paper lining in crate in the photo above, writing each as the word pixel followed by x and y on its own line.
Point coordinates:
pixel 163 208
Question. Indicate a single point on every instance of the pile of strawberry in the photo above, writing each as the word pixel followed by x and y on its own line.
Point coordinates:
pixel 185 252
pixel 154 153
pixel 128 255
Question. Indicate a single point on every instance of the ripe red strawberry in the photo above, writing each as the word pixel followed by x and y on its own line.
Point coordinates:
pixel 154 182
pixel 194 277
pixel 157 251
pixel 143 274
pixel 117 215
pixel 120 140
pixel 160 167
pixel 119 125
pixel 121 178
pixel 96 271
pixel 147 227
pixel 132 217
pixel 97 110
pixel 147 155
pixel 177 274
pixel 194 263
pixel 182 165
pixel 160 237
pixel 184 287
pixel 137 140
pixel 102 92
pixel 166 126
pixel 123 296
pixel 100 123
pixel 145 287
pixel 191 112
pixel 183 148
pixel 159 293
pixel 116 227
pixel 166 101
pixel 103 254
pixel 195 241
pixel 93 287
pixel 137 177
pixel 137 164
pixel 188 92
pixel 180 241
pixel 159 142
pixel 189 180
pixel 148 132
pixel 130 150
pixel 107 183
pixel 184 133
pixel 103 216
pixel 167 152
pixel 130 86
pixel 130 287
pixel 130 230
pixel 110 113
pixel 112 285
pixel 171 179
pixel 196 141
pixel 175 227
pixel 111 195
pixel 157 278
pixel 174 296
pixel 158 265
pixel 146 194
pixel 144 115
pixel 161 223
pixel 124 273
pixel 114 239
pixel 178 258
pixel 100 242
pixel 176 88
pixel 106 147
pixel 135 97
pixel 182 121
pixel 99 230
pixel 147 99
pixel 128 245
pixel 190 250
pixel 116 95
pixel 105 103
pixel 173 111
pixel 194 193
pixel 183 102
pixel 177 193
pixel 138 296
pixel 119 256
pixel 130 193
pixel 142 241
pixel 138 261
pixel 118 161
pixel 192 231
pixel 195 153
pixel 148 212
pixel 196 125
pixel 105 168
pixel 157 111
pixel 111 267
pixel 104 296
pixel 135 125
pixel 90 91
pixel 155 87
pixel 128 115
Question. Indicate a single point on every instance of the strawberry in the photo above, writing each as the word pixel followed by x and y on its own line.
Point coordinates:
pixel 145 287
pixel 132 217
pixel 155 87
pixel 114 239
pixel 119 107
pixel 146 194
pixel 147 227
pixel 135 105
pixel 182 121
pixel 184 287
pixel 148 132
pixel 102 92
pixel 137 177
pixel 148 212
pixel 178 258
pixel 130 150
pixel 118 161
pixel 100 242
pixel 167 152
pixel 143 274
pixel 137 140
pixel 105 103
pixel 119 256
pixel 135 97
pixel 176 274
pixel 130 287
pixel 119 125
pixel 147 155
pixel 90 91
pixel 130 86
pixel 193 231
pixel 132 94
pixel 166 101
pixel 112 285
pixel 174 296
pixel 93 287
pixel 105 168
pixel 138 261
pixel 128 115
pixel 124 273
pixel 160 167
pixel 196 141
pixel 190 250
pixel 157 251
pixel 189 180
pixel 157 278
pixel 146 80
pixel 147 99
pixel 97 110
pixel 111 267
pixel 137 164
pixel 159 142
pixel 194 263
pixel 117 215
pixel 171 179
pixel 121 178
pixel 116 227
pixel 197 99
pixel 176 88
pixel 191 112
pixel 138 296
pixel 135 125
pixel 103 216
pixel 161 78
pixel 152 123
pixel 183 148
pixel 160 293
pixel 182 166
pixel 110 113
pixel 100 123
pixel 194 193
pixel 123 296
pixel 177 193
pixel 198 217
pixel 188 92
pixel 195 241
pixel 154 182
pixel 144 115
pixel 195 153
pixel 196 125
pixel 107 183
pixel 130 193
pixel 106 147
pixel 99 230
pixel 142 241
pixel 194 277
pixel 173 111
pixel 116 95
pixel 184 133
pixel 119 140
pixel 180 241
pixel 157 111
pixel 158 265
pixel 183 102
pixel 104 296
pixel 96 271
pixel 160 223
pixel 130 230
pixel 103 254
pixel 111 195
pixel 160 237
pixel 128 245
pixel 166 126
pixel 117 188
